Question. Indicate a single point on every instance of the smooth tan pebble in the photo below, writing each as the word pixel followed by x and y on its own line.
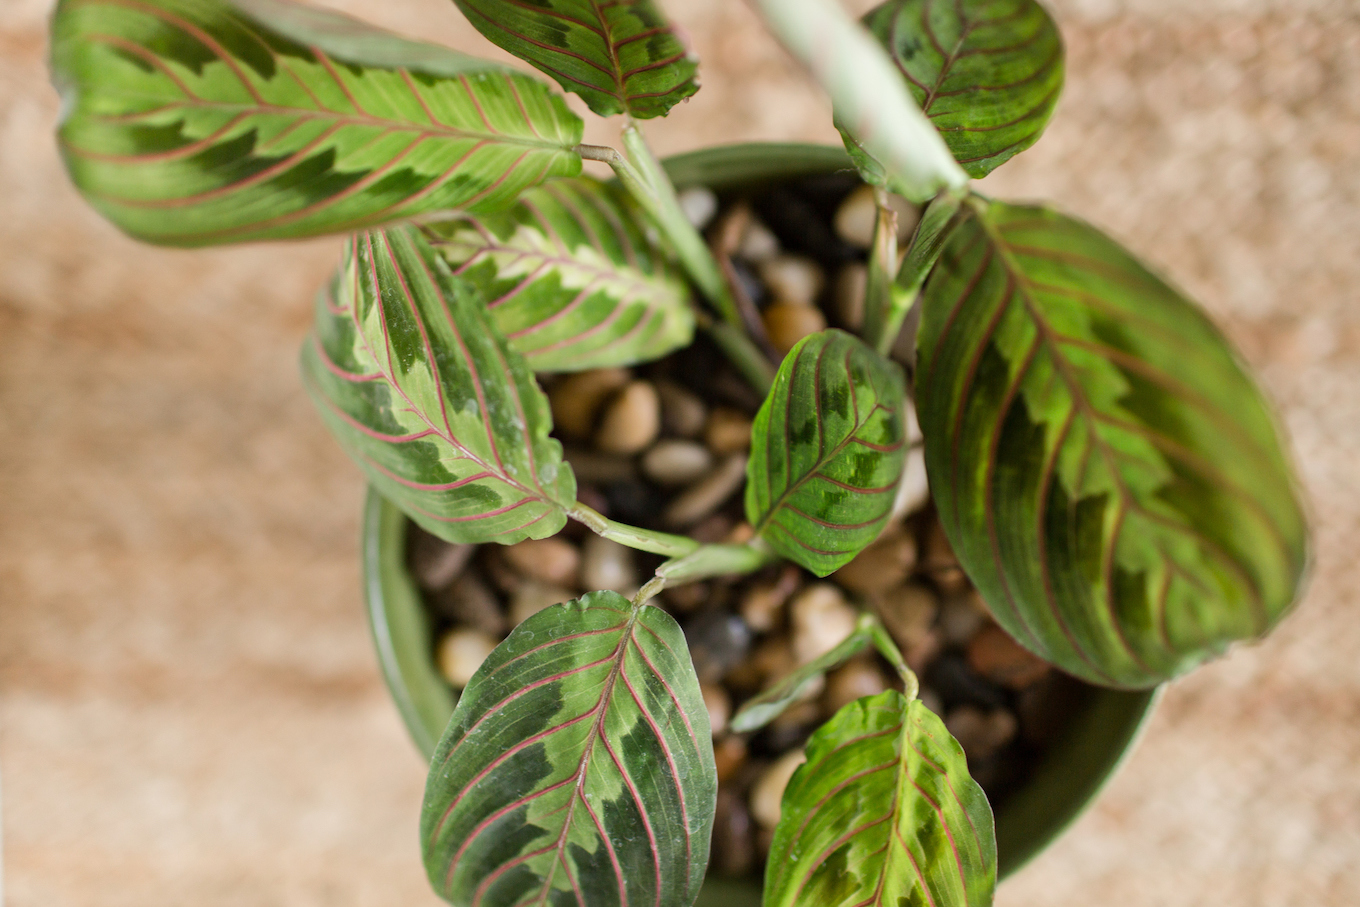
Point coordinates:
pixel 727 431
pixel 762 606
pixel 461 652
pixel 719 706
pixel 552 560
pixel 981 733
pixel 768 791
pixel 605 564
pixel 675 462
pixel 533 597
pixel 793 279
pixel 757 242
pixel 787 324
pixel 857 216
pixel 631 421
pixel 576 399
pixel 855 680
pixel 708 494
pixel 848 295
pixel 683 414
pixel 884 564
pixel 821 619
pixel 908 611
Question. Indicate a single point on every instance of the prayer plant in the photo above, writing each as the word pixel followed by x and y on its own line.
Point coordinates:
pixel 1106 470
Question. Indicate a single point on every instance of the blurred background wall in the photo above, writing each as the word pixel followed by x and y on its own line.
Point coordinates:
pixel 189 709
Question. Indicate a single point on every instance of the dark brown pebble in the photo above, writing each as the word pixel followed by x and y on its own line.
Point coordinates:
pixel 717 641
pixel 729 755
pixel 994 655
pixel 471 602
pixel 958 685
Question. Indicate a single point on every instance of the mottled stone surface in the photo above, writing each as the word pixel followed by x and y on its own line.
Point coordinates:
pixel 189 709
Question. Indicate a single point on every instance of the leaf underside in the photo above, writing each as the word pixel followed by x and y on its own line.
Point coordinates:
pixel 190 122
pixel 621 56
pixel 883 812
pixel 771 702
pixel 1109 475
pixel 827 451
pixel 571 277
pixel 577 768
pixel 986 72
pixel 413 380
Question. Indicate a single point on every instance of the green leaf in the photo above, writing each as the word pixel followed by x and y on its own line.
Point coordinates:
pixel 987 73
pixel 827 451
pixel 573 279
pixel 192 122
pixel 577 768
pixel 1109 475
pixel 447 422
pixel 883 812
pixel 760 710
pixel 621 57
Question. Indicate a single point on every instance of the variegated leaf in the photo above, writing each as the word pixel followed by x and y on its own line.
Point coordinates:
pixel 423 393
pixel 572 278
pixel 621 56
pixel 1108 473
pixel 883 812
pixel 987 72
pixel 827 451
pixel 191 122
pixel 577 768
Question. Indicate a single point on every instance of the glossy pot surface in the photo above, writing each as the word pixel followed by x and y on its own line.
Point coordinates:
pixel 1064 783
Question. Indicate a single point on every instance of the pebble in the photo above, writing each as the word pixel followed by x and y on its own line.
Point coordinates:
pixel 921 653
pixel 576 399
pixel 763 604
pixel 914 492
pixel 1045 709
pixel 938 560
pixel 683 414
pixel 981 733
pixel 848 295
pixel 699 204
pixel 994 655
pixel 733 851
pixel 757 242
pixel 857 215
pixel 675 462
pixel 712 529
pixel 686 598
pixel 792 725
pixel 851 681
pixel 632 501
pixel 958 685
pixel 769 661
pixel 553 560
pixel 881 566
pixel 708 494
pixel 914 435
pixel 599 468
pixel 739 534
pixel 931 700
pixel 768 791
pixel 470 601
pixel 793 279
pixel 461 652
pixel 718 640
pixel 787 324
pixel 719 706
pixel 908 611
pixel 533 597
pixel 821 619
pixel 605 564
pixel 961 617
pixel 729 755
pixel 631 421
pixel 727 431
pixel 435 562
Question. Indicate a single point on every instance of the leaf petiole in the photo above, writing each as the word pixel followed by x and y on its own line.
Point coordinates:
pixel 878 634
pixel 715 560
pixel 878 291
pixel 662 543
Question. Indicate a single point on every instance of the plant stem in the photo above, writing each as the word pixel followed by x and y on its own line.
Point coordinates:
pixel 937 222
pixel 878 289
pixel 715 560
pixel 741 351
pixel 888 649
pixel 663 543
pixel 868 94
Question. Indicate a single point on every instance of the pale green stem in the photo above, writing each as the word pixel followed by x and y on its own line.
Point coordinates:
pixel 868 94
pixel 715 560
pixel 744 355
pixel 888 649
pixel 878 288
pixel 649 591
pixel 931 233
pixel 662 543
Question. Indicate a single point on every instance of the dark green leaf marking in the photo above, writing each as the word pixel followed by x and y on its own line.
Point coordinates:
pixel 577 768
pixel 621 56
pixel 572 278
pixel 987 72
pixel 423 393
pixel 192 122
pixel 883 813
pixel 1108 473
pixel 827 451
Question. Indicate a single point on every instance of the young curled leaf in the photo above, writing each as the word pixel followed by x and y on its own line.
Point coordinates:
pixel 765 707
pixel 193 122
pixel 419 388
pixel 1108 473
pixel 572 278
pixel 883 812
pixel 577 768
pixel 986 72
pixel 827 451
pixel 622 56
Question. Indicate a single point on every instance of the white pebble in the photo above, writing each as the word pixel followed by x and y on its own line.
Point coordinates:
pixel 699 204
pixel 757 242
pixel 461 653
pixel 768 792
pixel 676 462
pixel 605 564
pixel 630 422
pixel 856 217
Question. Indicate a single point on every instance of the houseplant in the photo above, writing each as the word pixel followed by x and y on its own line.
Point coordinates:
pixel 1104 468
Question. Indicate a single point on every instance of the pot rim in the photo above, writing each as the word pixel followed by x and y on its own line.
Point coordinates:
pixel 1067 780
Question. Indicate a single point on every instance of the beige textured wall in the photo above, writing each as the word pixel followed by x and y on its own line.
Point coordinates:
pixel 189 711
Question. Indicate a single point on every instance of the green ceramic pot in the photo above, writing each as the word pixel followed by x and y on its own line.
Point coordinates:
pixel 1076 766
